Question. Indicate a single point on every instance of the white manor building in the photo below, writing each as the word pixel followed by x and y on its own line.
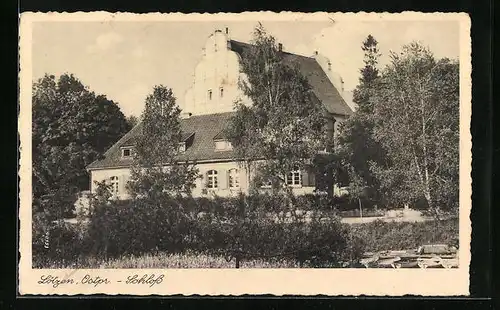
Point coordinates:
pixel 208 105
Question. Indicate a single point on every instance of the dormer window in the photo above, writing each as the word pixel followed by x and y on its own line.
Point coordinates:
pixel 223 145
pixel 185 142
pixel 126 152
pixel 182 147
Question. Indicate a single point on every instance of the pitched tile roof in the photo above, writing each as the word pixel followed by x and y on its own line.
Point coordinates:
pixel 221 135
pixel 207 128
pixel 321 85
pixel 204 127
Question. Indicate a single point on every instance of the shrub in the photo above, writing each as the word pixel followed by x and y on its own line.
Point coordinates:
pixel 257 227
pixel 57 241
pixel 138 226
pixel 380 236
pixel 244 227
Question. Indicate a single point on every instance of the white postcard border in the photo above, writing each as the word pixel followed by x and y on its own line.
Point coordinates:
pixel 335 282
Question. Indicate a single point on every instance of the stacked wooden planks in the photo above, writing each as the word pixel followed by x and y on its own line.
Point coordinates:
pixel 426 256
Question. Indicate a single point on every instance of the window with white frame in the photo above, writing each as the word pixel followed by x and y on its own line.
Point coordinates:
pixel 294 178
pixel 233 179
pixel 126 152
pixel 221 92
pixel 212 179
pixel 223 145
pixel 209 95
pixel 182 147
pixel 114 185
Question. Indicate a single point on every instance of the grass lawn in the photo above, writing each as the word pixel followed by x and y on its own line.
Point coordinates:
pixel 164 260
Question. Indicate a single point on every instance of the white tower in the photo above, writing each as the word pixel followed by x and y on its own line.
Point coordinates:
pixel 215 86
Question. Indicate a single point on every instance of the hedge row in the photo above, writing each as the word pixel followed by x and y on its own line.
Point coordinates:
pixel 243 228
pixel 382 236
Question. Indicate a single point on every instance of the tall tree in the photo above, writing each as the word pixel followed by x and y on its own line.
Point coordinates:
pixel 157 171
pixel 356 145
pixel 72 126
pixel 284 124
pixel 417 121
pixel 369 73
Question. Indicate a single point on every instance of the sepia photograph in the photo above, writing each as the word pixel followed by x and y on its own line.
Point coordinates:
pixel 246 143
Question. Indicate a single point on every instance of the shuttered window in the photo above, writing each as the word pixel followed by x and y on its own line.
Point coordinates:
pixel 233 179
pixel 114 185
pixel 308 178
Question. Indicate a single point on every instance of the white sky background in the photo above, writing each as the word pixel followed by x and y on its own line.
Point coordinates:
pixel 124 60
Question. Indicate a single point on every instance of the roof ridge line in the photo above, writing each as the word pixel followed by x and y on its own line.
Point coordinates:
pixel 290 53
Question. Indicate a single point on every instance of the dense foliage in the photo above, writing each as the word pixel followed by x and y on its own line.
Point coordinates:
pixel 383 236
pixel 369 74
pixel 285 123
pixel 417 122
pixel 157 171
pixel 132 120
pixel 402 144
pixel 209 226
pixel 72 127
pixel 356 145
pixel 214 227
pixel 400 147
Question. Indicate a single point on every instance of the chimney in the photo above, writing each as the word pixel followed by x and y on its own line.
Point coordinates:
pixel 280 47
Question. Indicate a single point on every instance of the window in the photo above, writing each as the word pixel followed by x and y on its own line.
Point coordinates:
pixel 212 179
pixel 221 92
pixel 223 145
pixel 294 178
pixel 127 152
pixel 182 147
pixel 209 94
pixel 114 185
pixel 234 179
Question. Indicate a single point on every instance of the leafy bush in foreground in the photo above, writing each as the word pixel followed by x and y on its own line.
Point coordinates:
pixel 381 236
pixel 240 229
pixel 58 241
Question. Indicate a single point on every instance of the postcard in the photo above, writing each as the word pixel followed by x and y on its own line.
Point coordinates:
pixel 253 153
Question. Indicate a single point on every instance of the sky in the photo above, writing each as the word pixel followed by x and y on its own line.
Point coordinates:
pixel 124 60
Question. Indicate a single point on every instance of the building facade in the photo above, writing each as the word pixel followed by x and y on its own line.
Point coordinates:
pixel 208 106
